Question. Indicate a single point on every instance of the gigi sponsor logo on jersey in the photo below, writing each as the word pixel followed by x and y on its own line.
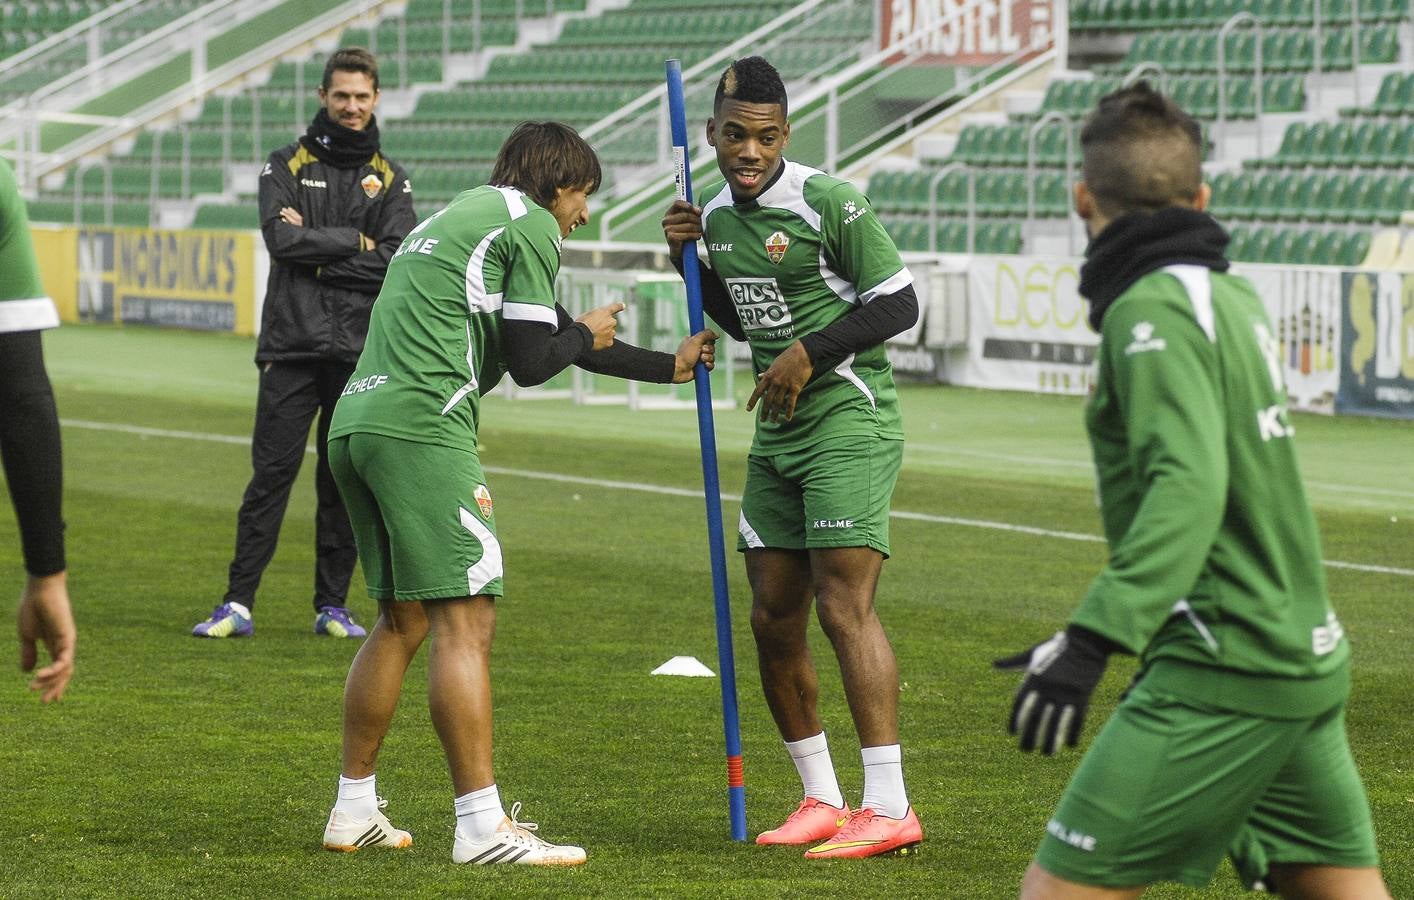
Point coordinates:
pixel 761 308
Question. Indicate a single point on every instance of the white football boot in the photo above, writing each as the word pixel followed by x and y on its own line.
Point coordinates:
pixel 514 842
pixel 347 834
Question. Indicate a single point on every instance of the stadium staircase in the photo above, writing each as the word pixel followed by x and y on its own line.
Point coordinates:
pixel 1316 173
pixel 456 77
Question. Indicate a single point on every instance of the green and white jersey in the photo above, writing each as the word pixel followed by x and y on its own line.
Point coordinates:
pixel 794 259
pixel 24 306
pixel 1215 575
pixel 434 340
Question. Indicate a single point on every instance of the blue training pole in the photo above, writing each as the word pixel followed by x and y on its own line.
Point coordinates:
pixel 736 785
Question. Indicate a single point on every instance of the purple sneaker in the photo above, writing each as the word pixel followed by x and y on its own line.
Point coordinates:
pixel 227 620
pixel 337 621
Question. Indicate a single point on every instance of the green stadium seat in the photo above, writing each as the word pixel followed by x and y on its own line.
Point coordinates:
pixel 1332 197
pixel 1363 204
pixel 1306 246
pixel 1356 245
pixel 1329 249
pixel 1282 249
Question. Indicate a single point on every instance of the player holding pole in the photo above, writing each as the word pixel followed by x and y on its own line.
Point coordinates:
pixel 801 268
pixel 736 788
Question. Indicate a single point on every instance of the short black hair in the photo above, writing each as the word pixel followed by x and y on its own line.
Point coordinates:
pixel 751 80
pixel 350 59
pixel 1142 152
pixel 541 157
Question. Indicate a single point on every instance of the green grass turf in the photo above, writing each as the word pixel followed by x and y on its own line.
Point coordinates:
pixel 181 768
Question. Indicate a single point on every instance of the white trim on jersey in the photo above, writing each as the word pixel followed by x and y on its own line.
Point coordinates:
pixel 1197 281
pixel 31 314
pixel 788 193
pixel 515 201
pixel 470 367
pixel 842 286
pixel 846 371
pixel 891 285
pixel 478 300
pixel 513 311
pixel 490 567
pixel 748 533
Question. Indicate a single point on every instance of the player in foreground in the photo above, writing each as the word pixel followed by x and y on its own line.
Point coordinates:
pixel 800 267
pixel 1232 738
pixel 29 444
pixel 469 296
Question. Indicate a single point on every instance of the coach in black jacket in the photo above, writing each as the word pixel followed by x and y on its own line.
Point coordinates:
pixel 332 209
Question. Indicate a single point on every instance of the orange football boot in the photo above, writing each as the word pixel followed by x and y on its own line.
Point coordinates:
pixel 813 820
pixel 867 833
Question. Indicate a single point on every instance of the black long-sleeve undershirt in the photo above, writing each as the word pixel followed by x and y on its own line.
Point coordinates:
pixel 867 325
pixel 534 354
pixel 30 446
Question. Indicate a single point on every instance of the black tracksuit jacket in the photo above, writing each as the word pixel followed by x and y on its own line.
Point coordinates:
pixel 321 287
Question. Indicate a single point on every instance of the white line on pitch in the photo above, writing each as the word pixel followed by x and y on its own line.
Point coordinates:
pixel 684 492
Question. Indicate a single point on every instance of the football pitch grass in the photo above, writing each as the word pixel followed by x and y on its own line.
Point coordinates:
pixel 181 768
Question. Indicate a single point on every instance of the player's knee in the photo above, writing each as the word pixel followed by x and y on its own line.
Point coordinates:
pixel 406 621
pixel 775 625
pixel 844 615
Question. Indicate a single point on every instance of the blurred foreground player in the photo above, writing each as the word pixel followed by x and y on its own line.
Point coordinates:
pixel 29 443
pixel 1232 737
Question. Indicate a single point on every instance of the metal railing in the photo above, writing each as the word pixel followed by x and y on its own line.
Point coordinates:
pixel 41 162
pixel 822 102
pixel 1068 127
pixel 933 183
pixel 1259 87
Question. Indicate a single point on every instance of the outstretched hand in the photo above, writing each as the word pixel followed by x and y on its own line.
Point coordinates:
pixel 779 386
pixel 601 323
pixel 45 617
pixel 1061 674
pixel 700 347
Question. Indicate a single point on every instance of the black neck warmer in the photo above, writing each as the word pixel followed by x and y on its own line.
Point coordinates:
pixel 1138 243
pixel 340 147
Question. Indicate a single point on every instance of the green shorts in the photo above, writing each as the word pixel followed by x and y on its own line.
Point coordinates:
pixel 1169 787
pixel 834 494
pixel 421 515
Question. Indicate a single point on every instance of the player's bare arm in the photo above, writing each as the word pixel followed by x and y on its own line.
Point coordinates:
pixel 681 223
pixel 700 347
pixel 45 617
pixel 601 324
pixel 779 386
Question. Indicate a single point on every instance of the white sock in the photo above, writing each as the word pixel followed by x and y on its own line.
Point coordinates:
pixel 240 608
pixel 817 774
pixel 358 798
pixel 883 781
pixel 479 813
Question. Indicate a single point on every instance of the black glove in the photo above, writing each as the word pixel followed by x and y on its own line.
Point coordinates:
pixel 1061 673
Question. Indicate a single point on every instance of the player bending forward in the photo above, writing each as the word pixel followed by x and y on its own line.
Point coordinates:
pixel 1232 739
pixel 469 296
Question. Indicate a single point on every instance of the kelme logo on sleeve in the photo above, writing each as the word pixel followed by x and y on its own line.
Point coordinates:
pixel 371 184
pixel 760 306
pixel 483 501
pixel 776 246
pixel 1144 340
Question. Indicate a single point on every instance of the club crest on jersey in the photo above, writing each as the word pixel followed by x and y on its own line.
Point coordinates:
pixel 776 247
pixel 483 501
pixel 371 184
